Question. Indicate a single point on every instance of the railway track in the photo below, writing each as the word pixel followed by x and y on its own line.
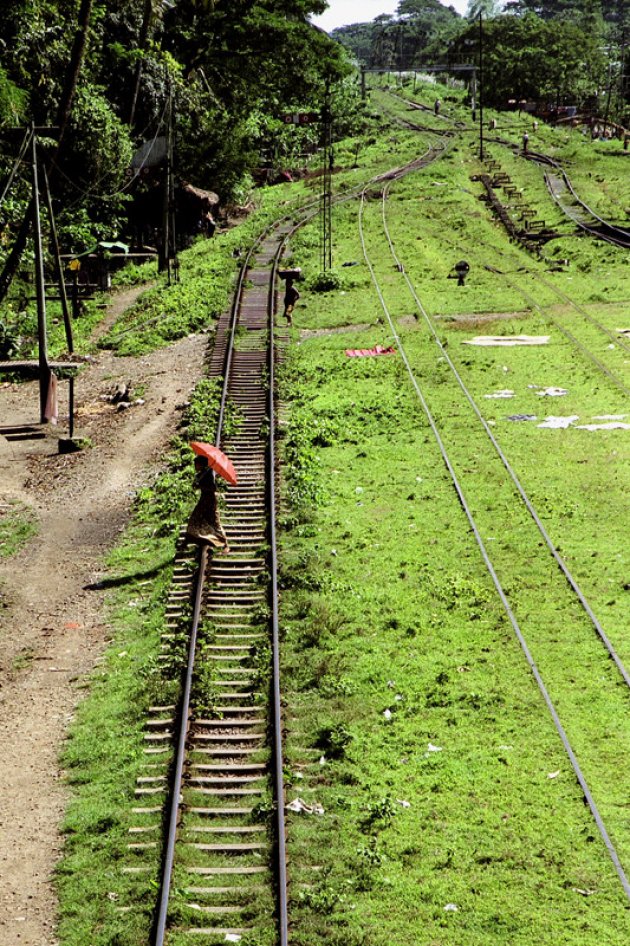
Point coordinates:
pixel 549 651
pixel 222 796
pixel 563 192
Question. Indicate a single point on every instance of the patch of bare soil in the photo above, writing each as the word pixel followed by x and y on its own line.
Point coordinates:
pixel 52 628
pixel 475 320
pixel 337 330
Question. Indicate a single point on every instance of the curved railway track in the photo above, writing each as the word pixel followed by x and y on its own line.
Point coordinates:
pixel 585 347
pixel 539 645
pixel 563 192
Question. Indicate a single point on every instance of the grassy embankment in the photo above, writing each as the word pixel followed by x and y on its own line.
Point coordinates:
pixel 452 815
pixel 105 753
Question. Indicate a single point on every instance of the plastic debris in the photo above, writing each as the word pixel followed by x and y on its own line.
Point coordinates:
pixel 554 774
pixel 432 748
pixel 301 807
pixel 498 394
pixel 232 938
pixel 522 417
pixel 610 425
pixel 403 803
pixel 387 714
pixel 507 341
pixel 451 908
pixel 552 392
pixel 559 423
pixel 322 760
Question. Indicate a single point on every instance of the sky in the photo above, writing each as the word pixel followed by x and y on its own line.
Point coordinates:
pixel 342 12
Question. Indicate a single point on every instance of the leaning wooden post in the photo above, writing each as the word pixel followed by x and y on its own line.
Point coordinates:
pixel 42 343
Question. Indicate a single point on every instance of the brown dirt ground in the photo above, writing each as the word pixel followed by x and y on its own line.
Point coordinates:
pixel 52 628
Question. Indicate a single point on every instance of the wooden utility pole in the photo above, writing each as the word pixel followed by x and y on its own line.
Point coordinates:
pixel 326 201
pixel 40 290
pixel 168 251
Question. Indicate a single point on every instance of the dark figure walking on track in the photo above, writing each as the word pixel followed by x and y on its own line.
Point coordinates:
pixel 204 525
pixel 291 296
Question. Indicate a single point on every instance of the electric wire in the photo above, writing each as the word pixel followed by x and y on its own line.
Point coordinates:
pixel 26 141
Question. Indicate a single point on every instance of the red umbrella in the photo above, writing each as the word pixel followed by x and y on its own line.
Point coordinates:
pixel 217 460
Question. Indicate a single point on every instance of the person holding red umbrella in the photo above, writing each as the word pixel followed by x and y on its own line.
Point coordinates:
pixel 204 525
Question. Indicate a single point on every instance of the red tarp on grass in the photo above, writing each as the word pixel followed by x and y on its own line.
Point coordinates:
pixel 369 352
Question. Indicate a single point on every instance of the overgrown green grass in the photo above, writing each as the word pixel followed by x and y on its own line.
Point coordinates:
pixel 451 814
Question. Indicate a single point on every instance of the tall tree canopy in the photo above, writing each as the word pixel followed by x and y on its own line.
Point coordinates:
pixel 105 69
pixel 530 58
pixel 421 32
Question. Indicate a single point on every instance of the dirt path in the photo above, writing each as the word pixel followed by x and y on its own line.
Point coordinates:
pixel 52 629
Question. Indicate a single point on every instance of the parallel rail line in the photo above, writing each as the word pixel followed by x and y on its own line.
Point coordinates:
pixel 588 795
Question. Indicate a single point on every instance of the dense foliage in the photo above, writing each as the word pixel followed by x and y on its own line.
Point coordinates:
pixel 103 73
pixel 550 51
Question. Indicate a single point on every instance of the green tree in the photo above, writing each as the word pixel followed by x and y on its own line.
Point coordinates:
pixel 529 58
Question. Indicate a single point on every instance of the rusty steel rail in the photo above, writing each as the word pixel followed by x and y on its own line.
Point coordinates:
pixel 228 360
pixel 585 218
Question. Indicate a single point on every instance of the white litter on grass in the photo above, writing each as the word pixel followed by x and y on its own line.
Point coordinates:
pixel 403 803
pixel 552 392
pixel 432 748
pixel 358 490
pixel 623 331
pixel 610 416
pixel 232 938
pixel 507 341
pixel 387 714
pixel 559 423
pixel 498 394
pixel 554 774
pixel 322 760
pixel 611 425
pixel 451 908
pixel 301 807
